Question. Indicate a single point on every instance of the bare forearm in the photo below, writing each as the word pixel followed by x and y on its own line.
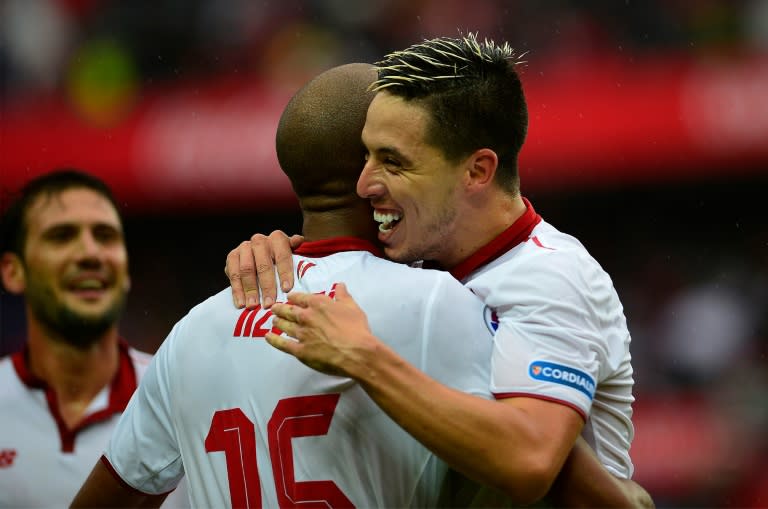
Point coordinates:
pixel 584 482
pixel 101 490
pixel 492 442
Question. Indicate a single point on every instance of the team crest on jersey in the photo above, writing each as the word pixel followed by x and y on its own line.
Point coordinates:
pixel 563 375
pixel 6 457
pixel 491 319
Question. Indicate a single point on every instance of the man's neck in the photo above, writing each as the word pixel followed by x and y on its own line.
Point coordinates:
pixel 75 375
pixel 352 221
pixel 481 224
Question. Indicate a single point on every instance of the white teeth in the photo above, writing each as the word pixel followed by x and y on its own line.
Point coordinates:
pixel 386 220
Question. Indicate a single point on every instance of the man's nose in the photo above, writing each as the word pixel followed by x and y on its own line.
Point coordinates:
pixel 89 245
pixel 368 184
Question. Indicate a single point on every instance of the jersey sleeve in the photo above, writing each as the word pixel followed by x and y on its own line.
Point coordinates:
pixel 143 449
pixel 549 342
pixel 459 340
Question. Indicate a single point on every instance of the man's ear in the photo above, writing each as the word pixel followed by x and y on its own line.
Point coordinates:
pixel 481 169
pixel 13 273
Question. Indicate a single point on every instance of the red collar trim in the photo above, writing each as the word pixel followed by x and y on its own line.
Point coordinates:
pixel 120 391
pixel 509 238
pixel 325 247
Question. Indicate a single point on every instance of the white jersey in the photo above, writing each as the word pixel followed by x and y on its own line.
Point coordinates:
pixel 252 426
pixel 561 332
pixel 42 462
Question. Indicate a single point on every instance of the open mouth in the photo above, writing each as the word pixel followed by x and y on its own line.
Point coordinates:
pixel 88 284
pixel 386 220
pixel 88 287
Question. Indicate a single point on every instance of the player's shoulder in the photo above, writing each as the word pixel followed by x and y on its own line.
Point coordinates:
pixel 377 280
pixel 207 319
pixel 567 256
pixel 415 288
pixel 549 250
pixel 545 238
pixel 363 265
pixel 370 262
pixel 547 264
pixel 218 305
pixel 405 276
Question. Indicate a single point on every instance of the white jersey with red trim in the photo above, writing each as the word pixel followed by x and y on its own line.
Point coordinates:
pixel 42 462
pixel 252 426
pixel 561 332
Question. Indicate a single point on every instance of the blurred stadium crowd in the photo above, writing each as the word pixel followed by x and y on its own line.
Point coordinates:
pixel 689 257
pixel 48 44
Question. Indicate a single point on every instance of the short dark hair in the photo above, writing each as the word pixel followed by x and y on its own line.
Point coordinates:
pixel 13 226
pixel 472 92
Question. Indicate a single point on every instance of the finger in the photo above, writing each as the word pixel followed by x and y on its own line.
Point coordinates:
pixel 282 250
pixel 261 254
pixel 343 296
pixel 302 299
pixel 341 292
pixel 290 313
pixel 284 311
pixel 283 324
pixel 296 240
pixel 240 272
pixel 231 270
pixel 288 326
pixel 282 343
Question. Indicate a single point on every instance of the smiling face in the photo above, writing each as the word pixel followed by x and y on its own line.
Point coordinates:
pixel 412 187
pixel 75 265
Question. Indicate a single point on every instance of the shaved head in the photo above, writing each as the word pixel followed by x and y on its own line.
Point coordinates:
pixel 318 137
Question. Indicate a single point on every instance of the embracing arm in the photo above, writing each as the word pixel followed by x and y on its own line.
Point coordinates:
pixel 250 268
pixel 584 482
pixel 517 445
pixel 103 489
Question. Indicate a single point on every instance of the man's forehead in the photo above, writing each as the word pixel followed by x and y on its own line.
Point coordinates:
pixel 393 119
pixel 400 128
pixel 75 205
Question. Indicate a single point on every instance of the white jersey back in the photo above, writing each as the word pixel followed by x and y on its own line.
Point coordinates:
pixel 252 426
pixel 561 333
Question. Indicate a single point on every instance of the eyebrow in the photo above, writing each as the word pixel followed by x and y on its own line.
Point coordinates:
pixel 391 151
pixel 74 225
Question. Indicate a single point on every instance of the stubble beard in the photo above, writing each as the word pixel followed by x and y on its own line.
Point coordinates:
pixel 435 236
pixel 69 326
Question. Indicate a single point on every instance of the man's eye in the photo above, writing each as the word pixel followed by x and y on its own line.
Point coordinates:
pixel 106 234
pixel 61 234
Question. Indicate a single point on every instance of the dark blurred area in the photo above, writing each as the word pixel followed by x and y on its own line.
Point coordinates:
pixel 648 141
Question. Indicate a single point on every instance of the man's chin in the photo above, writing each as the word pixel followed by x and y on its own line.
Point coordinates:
pixel 400 255
pixel 94 306
pixel 90 310
pixel 85 325
pixel 83 331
